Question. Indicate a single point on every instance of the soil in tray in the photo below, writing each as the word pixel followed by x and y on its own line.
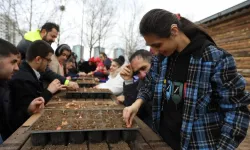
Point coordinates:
pixel 90 90
pixel 69 120
pixel 97 104
pixel 86 93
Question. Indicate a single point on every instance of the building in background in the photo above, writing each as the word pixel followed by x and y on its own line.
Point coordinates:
pixel 118 52
pixel 79 51
pixel 98 49
pixel 8 30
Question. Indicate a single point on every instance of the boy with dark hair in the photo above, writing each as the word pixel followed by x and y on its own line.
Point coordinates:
pixel 8 65
pixel 26 84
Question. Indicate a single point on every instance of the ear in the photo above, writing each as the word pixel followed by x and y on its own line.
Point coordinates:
pixel 38 59
pixel 43 32
pixel 174 30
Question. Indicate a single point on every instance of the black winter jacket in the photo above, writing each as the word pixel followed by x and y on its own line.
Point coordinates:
pixel 24 87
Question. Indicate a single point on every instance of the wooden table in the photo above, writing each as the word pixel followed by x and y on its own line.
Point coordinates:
pixel 146 140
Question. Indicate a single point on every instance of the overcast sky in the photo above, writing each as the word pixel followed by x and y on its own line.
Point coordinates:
pixel 194 10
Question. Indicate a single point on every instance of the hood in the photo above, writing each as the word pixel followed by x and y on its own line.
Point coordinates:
pixel 33 36
pixel 196 43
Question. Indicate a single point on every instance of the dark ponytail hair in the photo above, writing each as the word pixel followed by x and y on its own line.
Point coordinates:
pixel 159 21
pixel 120 60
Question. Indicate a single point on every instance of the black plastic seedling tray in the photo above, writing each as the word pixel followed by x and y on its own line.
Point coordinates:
pixel 89 93
pixel 84 105
pixel 60 127
pixel 87 83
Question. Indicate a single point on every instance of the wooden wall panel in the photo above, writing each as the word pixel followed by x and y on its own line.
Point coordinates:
pixel 233 35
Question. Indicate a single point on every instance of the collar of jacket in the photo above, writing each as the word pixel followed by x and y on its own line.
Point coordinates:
pixel 26 67
pixel 4 83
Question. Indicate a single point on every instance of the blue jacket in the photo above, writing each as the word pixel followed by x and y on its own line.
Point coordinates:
pixel 212 75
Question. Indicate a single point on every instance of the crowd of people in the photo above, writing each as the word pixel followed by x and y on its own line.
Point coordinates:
pixel 185 88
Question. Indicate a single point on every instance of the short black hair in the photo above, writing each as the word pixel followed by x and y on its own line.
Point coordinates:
pixel 159 22
pixel 103 54
pixel 48 26
pixel 144 54
pixel 38 48
pixel 6 48
pixel 120 60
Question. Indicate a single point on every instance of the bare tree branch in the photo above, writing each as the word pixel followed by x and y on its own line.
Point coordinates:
pixel 130 33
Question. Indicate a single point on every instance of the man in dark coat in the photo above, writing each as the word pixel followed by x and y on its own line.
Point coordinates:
pixel 8 65
pixel 26 84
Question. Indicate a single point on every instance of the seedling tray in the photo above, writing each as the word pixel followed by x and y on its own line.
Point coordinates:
pixel 78 105
pixel 82 78
pixel 89 93
pixel 60 127
pixel 87 83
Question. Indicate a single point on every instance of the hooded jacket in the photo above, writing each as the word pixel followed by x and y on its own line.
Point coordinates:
pixel 24 87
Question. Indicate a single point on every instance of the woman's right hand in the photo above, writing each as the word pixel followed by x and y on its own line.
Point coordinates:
pixel 130 112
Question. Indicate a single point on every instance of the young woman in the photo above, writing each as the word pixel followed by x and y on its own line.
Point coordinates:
pixel 199 98
pixel 115 81
pixel 62 53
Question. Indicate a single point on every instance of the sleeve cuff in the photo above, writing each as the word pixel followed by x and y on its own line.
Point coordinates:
pixel 127 82
pixel 66 82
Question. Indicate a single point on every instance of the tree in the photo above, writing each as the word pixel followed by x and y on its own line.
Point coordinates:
pixel 130 31
pixel 99 20
pixel 27 14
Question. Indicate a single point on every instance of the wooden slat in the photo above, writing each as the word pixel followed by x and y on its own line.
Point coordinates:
pixel 248 80
pixel 244 72
pixel 150 136
pixel 147 133
pixel 139 143
pixel 232 22
pixel 243 59
pixel 228 39
pixel 16 140
pixel 31 120
pixel 243 66
pixel 248 88
pixel 241 32
pixel 118 146
pixel 98 146
pixel 240 52
pixel 239 44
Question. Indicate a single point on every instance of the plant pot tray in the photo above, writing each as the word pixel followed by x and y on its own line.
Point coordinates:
pixel 75 126
pixel 89 93
pixel 86 105
pixel 87 83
